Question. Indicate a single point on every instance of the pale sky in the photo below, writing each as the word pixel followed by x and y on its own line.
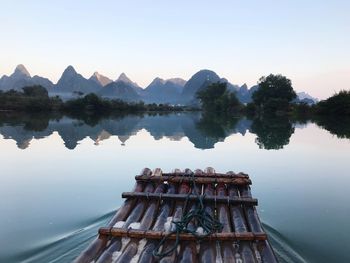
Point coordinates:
pixel 307 41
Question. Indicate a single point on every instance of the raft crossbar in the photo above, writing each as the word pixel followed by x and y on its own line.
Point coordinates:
pixel 150 234
pixel 197 179
pixel 212 175
pixel 191 197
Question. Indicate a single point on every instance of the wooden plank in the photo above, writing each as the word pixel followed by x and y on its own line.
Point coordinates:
pixel 191 197
pixel 239 181
pixel 151 234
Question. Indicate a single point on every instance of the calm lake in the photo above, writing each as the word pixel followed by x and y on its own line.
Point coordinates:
pixel 62 178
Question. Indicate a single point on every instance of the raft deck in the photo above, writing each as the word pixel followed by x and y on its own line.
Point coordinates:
pixel 151 225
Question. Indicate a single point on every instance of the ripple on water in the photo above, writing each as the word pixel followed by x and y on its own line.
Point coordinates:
pixel 283 249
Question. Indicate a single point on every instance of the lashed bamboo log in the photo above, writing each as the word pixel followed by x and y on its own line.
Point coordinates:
pixel 188 249
pixel 183 189
pixel 147 219
pixel 237 214
pixel 227 250
pixel 164 211
pixel 134 216
pixel 245 252
pixel 266 252
pixel 95 248
pixel 207 250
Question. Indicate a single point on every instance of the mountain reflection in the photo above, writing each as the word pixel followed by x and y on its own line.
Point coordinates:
pixel 203 130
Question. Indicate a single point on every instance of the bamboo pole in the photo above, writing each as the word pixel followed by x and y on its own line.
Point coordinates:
pixel 134 216
pixel 183 189
pixel 188 249
pixel 147 219
pixel 164 211
pixel 227 250
pixel 98 244
pixel 264 247
pixel 237 215
pixel 244 251
pixel 207 250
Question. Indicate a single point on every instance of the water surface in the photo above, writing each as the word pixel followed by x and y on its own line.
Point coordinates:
pixel 62 178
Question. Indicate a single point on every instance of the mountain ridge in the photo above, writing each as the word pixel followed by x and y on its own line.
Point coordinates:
pixel 173 90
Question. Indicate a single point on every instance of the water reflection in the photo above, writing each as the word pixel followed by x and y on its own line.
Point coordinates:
pixel 273 132
pixel 337 126
pixel 203 130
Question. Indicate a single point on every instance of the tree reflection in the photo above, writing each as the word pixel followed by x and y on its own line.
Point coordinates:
pixel 217 126
pixel 203 130
pixel 335 125
pixel 273 132
pixel 36 122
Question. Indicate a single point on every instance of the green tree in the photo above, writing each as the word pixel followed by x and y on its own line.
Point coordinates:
pixel 275 93
pixel 216 98
pixel 35 91
pixel 338 104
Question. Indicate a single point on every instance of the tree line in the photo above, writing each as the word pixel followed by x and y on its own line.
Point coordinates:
pixel 275 96
pixel 37 99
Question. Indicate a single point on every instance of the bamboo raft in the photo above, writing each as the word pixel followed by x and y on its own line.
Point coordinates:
pixel 150 215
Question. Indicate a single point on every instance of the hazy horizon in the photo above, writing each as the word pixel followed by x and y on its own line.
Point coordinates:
pixel 305 41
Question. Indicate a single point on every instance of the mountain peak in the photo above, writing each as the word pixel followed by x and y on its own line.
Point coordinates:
pixel 100 79
pixel 202 77
pixel 244 86
pixel 69 72
pixel 21 70
pixel 303 95
pixel 70 69
pixel 157 81
pixel 124 78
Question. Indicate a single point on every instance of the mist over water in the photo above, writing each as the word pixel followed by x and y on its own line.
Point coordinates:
pixel 62 178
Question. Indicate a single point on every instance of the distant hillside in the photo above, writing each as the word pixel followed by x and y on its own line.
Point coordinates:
pixel 306 98
pixel 201 79
pixel 164 91
pixel 100 79
pixel 123 78
pixel 21 78
pixel 71 81
pixel 119 90
pixel 172 91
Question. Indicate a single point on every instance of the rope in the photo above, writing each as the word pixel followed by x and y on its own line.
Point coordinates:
pixel 203 219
